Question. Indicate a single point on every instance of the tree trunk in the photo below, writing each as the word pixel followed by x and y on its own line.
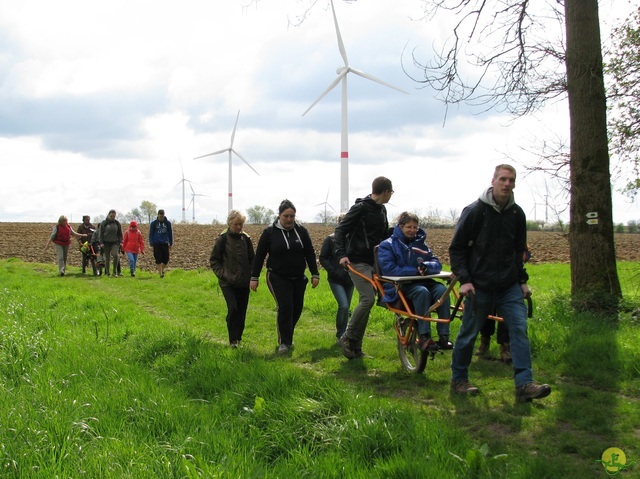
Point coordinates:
pixel 594 277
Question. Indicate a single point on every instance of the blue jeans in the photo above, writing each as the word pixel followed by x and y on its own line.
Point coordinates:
pixel 133 259
pixel 510 305
pixel 343 295
pixel 422 296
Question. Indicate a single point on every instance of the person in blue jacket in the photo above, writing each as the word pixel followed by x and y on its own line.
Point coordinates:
pixel 406 253
pixel 161 240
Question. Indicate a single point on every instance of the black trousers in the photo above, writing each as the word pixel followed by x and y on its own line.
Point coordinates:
pixel 237 301
pixel 289 296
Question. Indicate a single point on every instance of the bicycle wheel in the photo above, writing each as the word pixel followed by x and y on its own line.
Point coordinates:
pixel 412 357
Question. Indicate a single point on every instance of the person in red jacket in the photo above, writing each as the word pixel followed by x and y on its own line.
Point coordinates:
pixel 61 237
pixel 133 244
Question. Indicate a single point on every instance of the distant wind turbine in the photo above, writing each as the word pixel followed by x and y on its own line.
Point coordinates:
pixel 193 202
pixel 342 77
pixel 230 150
pixel 183 181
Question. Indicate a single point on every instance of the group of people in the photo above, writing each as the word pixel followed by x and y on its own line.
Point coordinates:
pixel 109 239
pixel 487 256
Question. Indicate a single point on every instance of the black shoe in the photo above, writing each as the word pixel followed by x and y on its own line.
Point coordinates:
pixel 444 343
pixel 428 344
pixel 347 348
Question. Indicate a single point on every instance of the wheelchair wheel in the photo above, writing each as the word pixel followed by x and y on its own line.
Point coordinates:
pixel 412 357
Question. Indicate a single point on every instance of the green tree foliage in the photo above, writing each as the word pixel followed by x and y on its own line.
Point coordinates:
pixel 624 95
pixel 259 215
pixel 148 210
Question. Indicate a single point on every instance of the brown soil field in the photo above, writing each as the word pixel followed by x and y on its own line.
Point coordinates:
pixel 193 244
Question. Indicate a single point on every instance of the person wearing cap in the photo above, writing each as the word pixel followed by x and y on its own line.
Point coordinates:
pixel 132 245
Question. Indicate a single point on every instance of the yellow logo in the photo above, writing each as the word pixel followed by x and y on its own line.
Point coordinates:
pixel 614 460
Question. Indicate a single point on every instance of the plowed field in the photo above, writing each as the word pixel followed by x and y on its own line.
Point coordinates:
pixel 193 244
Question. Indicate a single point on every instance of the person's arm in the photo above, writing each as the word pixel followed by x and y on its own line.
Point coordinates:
pixel 140 240
pixel 431 264
pixel 215 259
pixel 310 256
pixel 521 247
pixel 390 264
pixel 151 228
pixel 261 253
pixel 170 233
pixel 460 247
pixel 75 234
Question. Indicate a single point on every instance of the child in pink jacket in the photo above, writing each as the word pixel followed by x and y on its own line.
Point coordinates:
pixel 133 244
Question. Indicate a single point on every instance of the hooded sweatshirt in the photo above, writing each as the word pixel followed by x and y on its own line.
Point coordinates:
pixel 290 252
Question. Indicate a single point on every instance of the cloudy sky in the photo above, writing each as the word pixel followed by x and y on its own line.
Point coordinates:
pixel 102 104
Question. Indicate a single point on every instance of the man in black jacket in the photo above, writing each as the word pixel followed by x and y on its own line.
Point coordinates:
pixel 362 229
pixel 486 256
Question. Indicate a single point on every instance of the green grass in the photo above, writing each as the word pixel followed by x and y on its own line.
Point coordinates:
pixel 132 377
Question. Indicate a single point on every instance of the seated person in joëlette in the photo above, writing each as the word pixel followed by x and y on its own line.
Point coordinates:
pixel 406 253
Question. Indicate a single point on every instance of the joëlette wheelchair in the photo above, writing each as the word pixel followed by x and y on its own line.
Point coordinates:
pixel 412 356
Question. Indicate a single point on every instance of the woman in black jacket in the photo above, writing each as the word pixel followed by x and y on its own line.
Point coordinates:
pixel 231 260
pixel 289 249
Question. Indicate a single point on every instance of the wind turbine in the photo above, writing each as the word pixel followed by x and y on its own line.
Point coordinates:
pixel 342 77
pixel 193 202
pixel 326 203
pixel 183 181
pixel 231 151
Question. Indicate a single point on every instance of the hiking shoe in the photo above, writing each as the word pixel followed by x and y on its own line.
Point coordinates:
pixel 532 391
pixel 347 348
pixel 283 349
pixel 464 388
pixel 483 349
pixel 234 344
pixel 505 353
pixel 427 344
pixel 444 343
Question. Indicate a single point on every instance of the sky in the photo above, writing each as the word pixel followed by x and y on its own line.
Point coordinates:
pixel 106 105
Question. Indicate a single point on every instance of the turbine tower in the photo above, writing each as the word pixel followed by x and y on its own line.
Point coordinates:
pixel 231 151
pixel 342 77
pixel 183 181
pixel 193 202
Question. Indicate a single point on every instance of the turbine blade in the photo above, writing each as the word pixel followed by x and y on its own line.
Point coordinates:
pixel 233 134
pixel 192 190
pixel 331 87
pixel 246 162
pixel 377 80
pixel 343 52
pixel 211 154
